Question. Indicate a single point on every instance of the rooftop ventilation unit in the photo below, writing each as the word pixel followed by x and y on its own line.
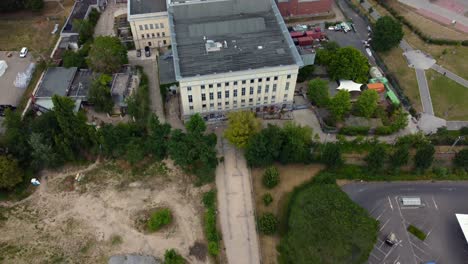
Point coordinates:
pixel 212 46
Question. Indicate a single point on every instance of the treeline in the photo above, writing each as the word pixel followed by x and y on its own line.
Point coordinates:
pixel 63 135
pixel 16 5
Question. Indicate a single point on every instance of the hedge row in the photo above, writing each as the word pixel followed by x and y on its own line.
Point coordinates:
pixel 418 32
pixel 354 130
pixel 212 235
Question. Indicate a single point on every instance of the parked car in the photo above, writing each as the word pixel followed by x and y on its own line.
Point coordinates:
pixel 147 51
pixel 138 52
pixel 332 28
pixel 391 239
pixel 23 52
pixel 369 52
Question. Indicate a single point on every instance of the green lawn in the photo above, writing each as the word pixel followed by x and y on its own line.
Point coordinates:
pixel 449 99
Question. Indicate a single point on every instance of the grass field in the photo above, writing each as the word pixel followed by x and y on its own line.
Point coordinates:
pixel 449 98
pixel 33 30
pixel 406 76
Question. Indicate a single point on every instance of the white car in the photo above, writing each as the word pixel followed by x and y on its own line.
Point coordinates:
pixel 369 52
pixel 331 28
pixel 23 52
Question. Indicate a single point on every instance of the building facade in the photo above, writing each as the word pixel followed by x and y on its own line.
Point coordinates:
pixel 303 8
pixel 149 23
pixel 266 89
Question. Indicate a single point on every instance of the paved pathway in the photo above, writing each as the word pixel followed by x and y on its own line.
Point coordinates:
pixel 424 92
pixel 450 75
pixel 235 205
pixel 105 25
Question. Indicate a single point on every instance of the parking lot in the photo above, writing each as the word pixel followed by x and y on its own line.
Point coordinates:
pixel 9 94
pixel 445 242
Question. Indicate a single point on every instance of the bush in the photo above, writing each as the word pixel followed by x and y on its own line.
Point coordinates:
pixel 210 225
pixel 209 199
pixel 331 155
pixel 461 159
pixel 376 158
pixel 267 224
pixel 159 219
pixel 383 130
pixel 305 73
pixel 172 257
pixel 354 130
pixel 213 248
pixel 267 199
pixel 271 177
pixel 424 156
pixel 416 232
pixel 10 173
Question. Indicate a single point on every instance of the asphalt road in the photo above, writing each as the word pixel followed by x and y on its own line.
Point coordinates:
pixel 445 242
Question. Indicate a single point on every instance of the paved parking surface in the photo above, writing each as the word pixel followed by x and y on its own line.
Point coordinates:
pixel 9 94
pixel 445 242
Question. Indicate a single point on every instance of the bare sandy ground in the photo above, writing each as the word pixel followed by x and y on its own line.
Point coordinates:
pixel 69 222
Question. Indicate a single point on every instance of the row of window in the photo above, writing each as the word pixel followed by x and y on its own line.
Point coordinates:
pixel 153 36
pixel 151 26
pixel 275 78
pixel 251 102
pixel 159 43
pixel 243 91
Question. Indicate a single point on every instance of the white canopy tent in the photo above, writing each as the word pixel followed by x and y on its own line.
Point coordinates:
pixel 3 67
pixel 463 221
pixel 349 86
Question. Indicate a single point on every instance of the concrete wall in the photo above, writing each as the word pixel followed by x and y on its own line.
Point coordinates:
pixel 280 91
pixel 150 30
pixel 304 7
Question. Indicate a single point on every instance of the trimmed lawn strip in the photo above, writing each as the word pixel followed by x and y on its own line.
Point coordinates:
pixel 449 98
pixel 416 232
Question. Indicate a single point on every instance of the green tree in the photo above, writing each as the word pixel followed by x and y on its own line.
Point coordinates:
pixel 10 173
pixel 325 56
pixel 340 105
pixel 107 55
pixel 43 155
pixel 73 59
pixel 158 135
pixel 135 151
pixel 15 138
pixel 271 177
pixel 461 159
pixel 241 127
pixel 267 224
pixel 296 145
pixel 400 156
pixel 85 30
pixel 35 5
pixel 265 147
pixel 100 94
pixel 387 34
pixel 376 158
pixel 367 103
pixel 331 155
pixel 139 102
pixel 349 64
pixel 318 92
pixel 196 125
pixel 305 73
pixel 424 156
pixel 172 257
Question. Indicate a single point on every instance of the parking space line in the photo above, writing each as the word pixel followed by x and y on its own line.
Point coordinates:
pixel 374 256
pixel 419 248
pixel 390 202
pixel 396 260
pixel 381 251
pixel 384 224
pixel 381 214
pixel 437 208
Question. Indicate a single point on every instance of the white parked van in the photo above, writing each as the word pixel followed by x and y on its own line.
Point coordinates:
pixel 23 52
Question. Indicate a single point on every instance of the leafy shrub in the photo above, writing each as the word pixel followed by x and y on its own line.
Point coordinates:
pixel 416 232
pixel 424 156
pixel 267 199
pixel 376 158
pixel 441 172
pixel 210 225
pixel 159 219
pixel 331 155
pixel 209 199
pixel 271 177
pixel 267 223
pixel 172 257
pixel 461 159
pixel 213 248
pixel 383 130
pixel 354 130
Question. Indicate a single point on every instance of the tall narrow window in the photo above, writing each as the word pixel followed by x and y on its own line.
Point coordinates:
pixel 203 97
pixel 190 99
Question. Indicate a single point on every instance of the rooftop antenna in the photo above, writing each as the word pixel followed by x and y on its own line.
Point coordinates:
pixel 204 38
pixel 225 44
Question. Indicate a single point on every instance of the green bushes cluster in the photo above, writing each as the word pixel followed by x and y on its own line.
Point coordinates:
pixel 211 232
pixel 267 199
pixel 446 137
pixel 354 130
pixel 271 177
pixel 159 219
pixel 172 257
pixel 400 121
pixel 267 224
pixel 416 232
pixel 418 32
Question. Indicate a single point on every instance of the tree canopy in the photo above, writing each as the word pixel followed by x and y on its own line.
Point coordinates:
pixel 107 55
pixel 10 173
pixel 15 5
pixel 387 34
pixel 348 63
pixel 461 159
pixel 318 92
pixel 424 156
pixel 340 104
pixel 367 103
pixel 376 158
pixel 241 126
pixel 100 94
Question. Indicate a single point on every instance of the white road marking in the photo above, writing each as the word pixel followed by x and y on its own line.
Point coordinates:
pixel 396 260
pixel 381 214
pixel 374 256
pixel 390 202
pixel 437 208
pixel 384 224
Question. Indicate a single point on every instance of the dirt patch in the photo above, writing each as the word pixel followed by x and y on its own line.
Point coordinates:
pixel 96 219
pixel 199 251
pixel 291 176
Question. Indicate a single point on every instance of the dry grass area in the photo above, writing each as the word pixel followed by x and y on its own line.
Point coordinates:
pixel 33 30
pixel 290 177
pixel 430 27
pixel 66 221
pixel 449 98
pixel 398 67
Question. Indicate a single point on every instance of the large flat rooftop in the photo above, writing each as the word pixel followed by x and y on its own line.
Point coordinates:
pixel 138 7
pixel 249 41
pixel 56 81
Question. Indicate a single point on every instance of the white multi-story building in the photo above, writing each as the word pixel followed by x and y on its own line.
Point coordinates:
pixel 230 55
pixel 149 23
